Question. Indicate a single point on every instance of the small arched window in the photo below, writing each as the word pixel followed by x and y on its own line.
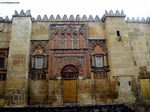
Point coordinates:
pixel 39 57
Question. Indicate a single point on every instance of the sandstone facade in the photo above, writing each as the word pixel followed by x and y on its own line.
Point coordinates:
pixel 74 61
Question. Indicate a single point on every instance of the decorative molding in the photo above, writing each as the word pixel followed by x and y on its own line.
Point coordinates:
pixel 93 42
pixel 68 61
pixel 68 28
pixel 68 36
pixel 36 45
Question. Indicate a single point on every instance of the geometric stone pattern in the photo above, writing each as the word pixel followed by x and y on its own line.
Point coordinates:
pixel 69 61
pixel 68 36
pixel 94 42
pixel 35 44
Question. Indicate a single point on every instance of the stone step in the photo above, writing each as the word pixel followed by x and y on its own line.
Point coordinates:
pixel 93 108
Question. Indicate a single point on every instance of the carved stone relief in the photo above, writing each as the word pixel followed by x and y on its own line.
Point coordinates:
pixel 70 36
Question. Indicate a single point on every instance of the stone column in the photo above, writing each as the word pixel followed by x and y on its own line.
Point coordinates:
pixel 16 92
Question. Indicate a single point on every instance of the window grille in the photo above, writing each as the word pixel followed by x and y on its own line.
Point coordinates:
pixel 99 61
pixel 38 62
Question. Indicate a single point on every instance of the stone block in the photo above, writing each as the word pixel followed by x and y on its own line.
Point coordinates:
pixel 95 30
pixel 2 90
pixel 1 27
pixel 2 102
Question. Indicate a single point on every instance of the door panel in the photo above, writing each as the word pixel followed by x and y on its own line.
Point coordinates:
pixel 145 85
pixel 70 91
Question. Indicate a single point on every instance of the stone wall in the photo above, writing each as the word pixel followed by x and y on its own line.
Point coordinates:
pixel 38 92
pixel 85 93
pixel 15 92
pixel 104 91
pixel 128 46
pixel 126 89
pixel 119 50
pixel 2 86
pixel 95 30
pixel 18 61
pixel 5 33
pixel 2 94
pixel 40 31
pixel 54 92
pixel 138 35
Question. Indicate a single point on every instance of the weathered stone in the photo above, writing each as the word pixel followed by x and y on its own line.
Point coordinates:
pixel 58 18
pixel 133 19
pixel 111 12
pixel 1 18
pixel 138 19
pixel 28 13
pixel 33 19
pixel 128 19
pixel 45 18
pixel 143 20
pixel 65 18
pixel 38 18
pixel 51 18
pixel 16 13
pixel 91 18
pixel 148 19
pixel 69 50
pixel 84 18
pixel 117 13
pixel 97 18
pixel 78 18
pixel 6 18
pixel 122 13
pixel 18 71
pixel 71 18
pixel 22 13
pixel 106 13
pixel 1 27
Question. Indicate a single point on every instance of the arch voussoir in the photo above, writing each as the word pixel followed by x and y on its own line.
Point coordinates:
pixel 69 61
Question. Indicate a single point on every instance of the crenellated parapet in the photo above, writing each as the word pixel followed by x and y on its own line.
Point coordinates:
pixel 65 18
pixel 16 14
pixel 138 20
pixel 52 18
pixel 22 13
pixel 112 14
pixel 6 19
pixel 84 18
pixel 117 13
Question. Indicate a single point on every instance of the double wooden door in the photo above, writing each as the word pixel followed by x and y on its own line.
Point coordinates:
pixel 70 91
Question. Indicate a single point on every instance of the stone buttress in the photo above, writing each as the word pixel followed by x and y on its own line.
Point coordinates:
pixel 16 91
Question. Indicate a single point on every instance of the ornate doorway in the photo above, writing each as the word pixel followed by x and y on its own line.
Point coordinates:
pixel 69 75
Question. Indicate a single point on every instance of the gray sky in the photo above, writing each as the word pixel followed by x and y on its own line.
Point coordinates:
pixel 132 8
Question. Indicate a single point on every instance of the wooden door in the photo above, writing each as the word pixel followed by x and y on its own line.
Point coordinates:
pixel 145 87
pixel 70 91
